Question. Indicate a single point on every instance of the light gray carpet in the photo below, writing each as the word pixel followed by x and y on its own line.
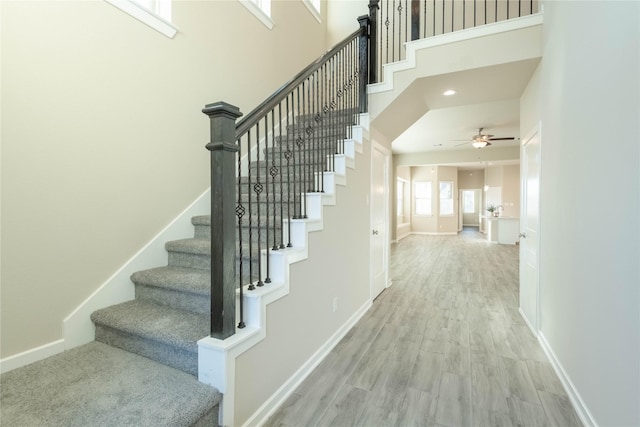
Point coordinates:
pixel 99 385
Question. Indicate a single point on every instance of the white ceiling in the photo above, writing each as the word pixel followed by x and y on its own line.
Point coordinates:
pixel 487 97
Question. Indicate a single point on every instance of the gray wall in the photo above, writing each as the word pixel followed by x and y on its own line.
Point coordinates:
pixel 589 105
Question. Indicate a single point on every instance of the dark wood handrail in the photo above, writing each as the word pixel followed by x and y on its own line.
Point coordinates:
pixel 271 102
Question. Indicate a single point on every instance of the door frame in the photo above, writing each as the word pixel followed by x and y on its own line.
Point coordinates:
pixel 533 324
pixel 478 204
pixel 386 153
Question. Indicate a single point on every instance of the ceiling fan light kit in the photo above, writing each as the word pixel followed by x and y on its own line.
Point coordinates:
pixel 480 144
pixel 482 140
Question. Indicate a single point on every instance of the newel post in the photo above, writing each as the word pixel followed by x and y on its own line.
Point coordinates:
pixel 223 150
pixel 363 56
pixel 373 40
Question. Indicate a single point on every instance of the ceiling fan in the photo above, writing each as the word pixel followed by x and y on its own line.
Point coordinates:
pixel 483 140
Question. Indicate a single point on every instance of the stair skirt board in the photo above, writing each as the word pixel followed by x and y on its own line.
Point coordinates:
pixel 216 358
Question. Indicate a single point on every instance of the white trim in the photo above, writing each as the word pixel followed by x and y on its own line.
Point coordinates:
pixel 435 233
pixel 33 355
pixel 145 16
pixel 273 403
pixel 527 322
pixel 258 13
pixel 315 12
pixel 386 244
pixel 534 323
pixel 578 404
pixel 386 82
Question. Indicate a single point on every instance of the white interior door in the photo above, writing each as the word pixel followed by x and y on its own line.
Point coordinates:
pixel 379 219
pixel 530 229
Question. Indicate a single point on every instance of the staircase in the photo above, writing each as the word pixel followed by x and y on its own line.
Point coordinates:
pixel 107 382
pixel 171 309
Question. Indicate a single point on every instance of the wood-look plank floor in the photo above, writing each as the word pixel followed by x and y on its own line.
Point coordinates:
pixel 443 346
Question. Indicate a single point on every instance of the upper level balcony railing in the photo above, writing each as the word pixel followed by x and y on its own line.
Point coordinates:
pixel 400 21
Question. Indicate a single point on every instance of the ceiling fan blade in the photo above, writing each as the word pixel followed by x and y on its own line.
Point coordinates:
pixel 510 138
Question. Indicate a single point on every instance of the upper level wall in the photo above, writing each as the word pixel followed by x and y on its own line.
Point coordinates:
pixel 342 18
pixel 103 138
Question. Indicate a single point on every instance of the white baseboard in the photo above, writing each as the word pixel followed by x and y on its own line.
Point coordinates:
pixel 527 322
pixel 578 404
pixel 33 355
pixel 271 405
pixel 429 233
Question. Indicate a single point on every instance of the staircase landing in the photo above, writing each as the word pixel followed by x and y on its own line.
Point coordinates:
pixel 99 385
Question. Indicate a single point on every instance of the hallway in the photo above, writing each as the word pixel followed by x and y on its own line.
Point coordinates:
pixel 443 346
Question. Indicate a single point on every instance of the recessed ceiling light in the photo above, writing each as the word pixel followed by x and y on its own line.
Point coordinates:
pixel 449 92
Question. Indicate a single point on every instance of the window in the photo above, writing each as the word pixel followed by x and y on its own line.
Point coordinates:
pixel 468 201
pixel 264 5
pixel 446 198
pixel 162 8
pixel 261 9
pixel 400 199
pixel 314 8
pixel 422 197
pixel 154 13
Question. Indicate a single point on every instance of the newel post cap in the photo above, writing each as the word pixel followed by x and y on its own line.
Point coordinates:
pixel 222 108
pixel 223 126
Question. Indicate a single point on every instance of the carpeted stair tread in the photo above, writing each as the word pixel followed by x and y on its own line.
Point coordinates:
pixel 173 327
pixel 179 278
pixel 99 385
pixel 190 246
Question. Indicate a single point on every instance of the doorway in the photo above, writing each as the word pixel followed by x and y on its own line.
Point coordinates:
pixel 469 209
pixel 379 243
pixel 530 229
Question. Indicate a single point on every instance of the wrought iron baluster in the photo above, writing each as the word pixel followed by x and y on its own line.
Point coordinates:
pixel 464 14
pixel 303 157
pixel 434 17
pixel 250 225
pixel 266 187
pixel 485 11
pixel 297 183
pixel 325 129
pixel 332 109
pixel 424 14
pixel 240 211
pixel 386 23
pixel 282 202
pixel 290 192
pixel 443 9
pixel 274 171
pixel 257 189
pixel 406 22
pixel 318 175
pixel 452 15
